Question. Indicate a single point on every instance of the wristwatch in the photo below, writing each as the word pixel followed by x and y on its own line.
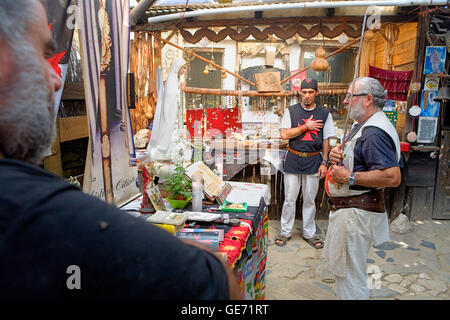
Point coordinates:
pixel 351 179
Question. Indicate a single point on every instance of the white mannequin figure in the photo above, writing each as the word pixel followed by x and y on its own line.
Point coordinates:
pixel 165 122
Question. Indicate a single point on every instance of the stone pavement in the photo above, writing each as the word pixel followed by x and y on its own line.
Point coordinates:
pixel 414 265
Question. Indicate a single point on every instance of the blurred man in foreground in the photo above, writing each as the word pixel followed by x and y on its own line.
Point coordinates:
pixel 48 226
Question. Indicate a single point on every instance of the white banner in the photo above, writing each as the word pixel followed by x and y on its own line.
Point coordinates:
pixel 104 42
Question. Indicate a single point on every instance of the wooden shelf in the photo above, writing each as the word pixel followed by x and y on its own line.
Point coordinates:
pixel 73 91
pixel 71 128
pixel 424 148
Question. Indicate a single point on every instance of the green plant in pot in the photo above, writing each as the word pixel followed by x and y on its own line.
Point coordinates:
pixel 179 187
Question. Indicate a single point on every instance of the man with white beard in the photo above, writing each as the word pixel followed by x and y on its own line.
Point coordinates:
pixel 49 229
pixel 356 188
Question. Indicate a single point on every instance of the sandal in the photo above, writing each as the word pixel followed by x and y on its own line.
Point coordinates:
pixel 282 240
pixel 315 242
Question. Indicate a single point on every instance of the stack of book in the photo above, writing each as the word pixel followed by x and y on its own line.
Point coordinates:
pixel 169 221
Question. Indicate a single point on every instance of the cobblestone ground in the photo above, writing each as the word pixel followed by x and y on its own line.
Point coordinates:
pixel 415 265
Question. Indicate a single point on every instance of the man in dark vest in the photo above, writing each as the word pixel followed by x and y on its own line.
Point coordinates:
pixel 307 126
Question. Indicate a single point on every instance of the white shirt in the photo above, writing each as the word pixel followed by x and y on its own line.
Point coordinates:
pixel 328 127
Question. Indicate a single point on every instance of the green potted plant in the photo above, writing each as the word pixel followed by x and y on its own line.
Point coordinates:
pixel 180 188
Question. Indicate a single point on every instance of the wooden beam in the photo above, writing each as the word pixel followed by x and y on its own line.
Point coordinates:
pixel 221 92
pixel 169 37
pixel 71 128
pixel 73 91
pixel 169 25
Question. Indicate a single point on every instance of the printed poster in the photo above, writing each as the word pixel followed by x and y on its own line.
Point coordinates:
pixel 430 108
pixel 434 60
pixel 104 42
pixel 431 84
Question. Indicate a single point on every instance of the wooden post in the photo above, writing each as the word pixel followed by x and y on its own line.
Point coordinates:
pixel 53 163
pixel 238 63
pixel 422 30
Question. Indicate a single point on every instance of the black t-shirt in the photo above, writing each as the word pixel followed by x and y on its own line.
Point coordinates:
pixel 374 150
pixel 48 225
pixel 310 141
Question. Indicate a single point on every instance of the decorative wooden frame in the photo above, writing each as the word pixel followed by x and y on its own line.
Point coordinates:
pixel 283 32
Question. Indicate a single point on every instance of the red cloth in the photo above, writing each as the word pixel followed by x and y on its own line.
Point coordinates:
pixel 297 80
pixel 395 82
pixel 232 120
pixel 218 120
pixel 238 233
pixel 215 122
pixel 193 115
pixel 247 221
pixel 232 248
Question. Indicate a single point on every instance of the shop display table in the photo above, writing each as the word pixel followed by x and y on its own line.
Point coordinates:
pixel 244 245
pixel 236 155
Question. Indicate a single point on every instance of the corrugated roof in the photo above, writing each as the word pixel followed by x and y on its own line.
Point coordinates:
pixel 169 9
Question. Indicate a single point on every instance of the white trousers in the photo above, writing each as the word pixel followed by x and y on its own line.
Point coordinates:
pixel 361 228
pixel 309 183
pixel 354 286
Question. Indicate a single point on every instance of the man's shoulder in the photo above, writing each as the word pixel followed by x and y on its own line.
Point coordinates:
pixel 294 106
pixel 373 132
pixel 31 190
pixel 377 136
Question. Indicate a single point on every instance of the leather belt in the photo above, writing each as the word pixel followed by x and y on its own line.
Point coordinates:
pixel 304 154
pixel 370 201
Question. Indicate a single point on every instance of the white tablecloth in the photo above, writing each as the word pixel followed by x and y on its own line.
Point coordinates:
pixel 250 193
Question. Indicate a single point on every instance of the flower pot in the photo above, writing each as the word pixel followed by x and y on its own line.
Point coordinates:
pixel 179 204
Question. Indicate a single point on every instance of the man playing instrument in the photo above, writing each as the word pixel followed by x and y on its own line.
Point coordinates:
pixel 371 157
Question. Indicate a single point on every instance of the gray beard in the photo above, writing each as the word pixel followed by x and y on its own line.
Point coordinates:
pixel 26 113
pixel 356 112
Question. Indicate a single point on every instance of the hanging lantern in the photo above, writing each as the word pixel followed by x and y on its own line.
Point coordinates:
pixel 206 70
pixel 320 63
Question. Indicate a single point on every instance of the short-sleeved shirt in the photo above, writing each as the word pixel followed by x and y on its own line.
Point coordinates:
pixel 328 127
pixel 48 225
pixel 309 142
pixel 374 150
